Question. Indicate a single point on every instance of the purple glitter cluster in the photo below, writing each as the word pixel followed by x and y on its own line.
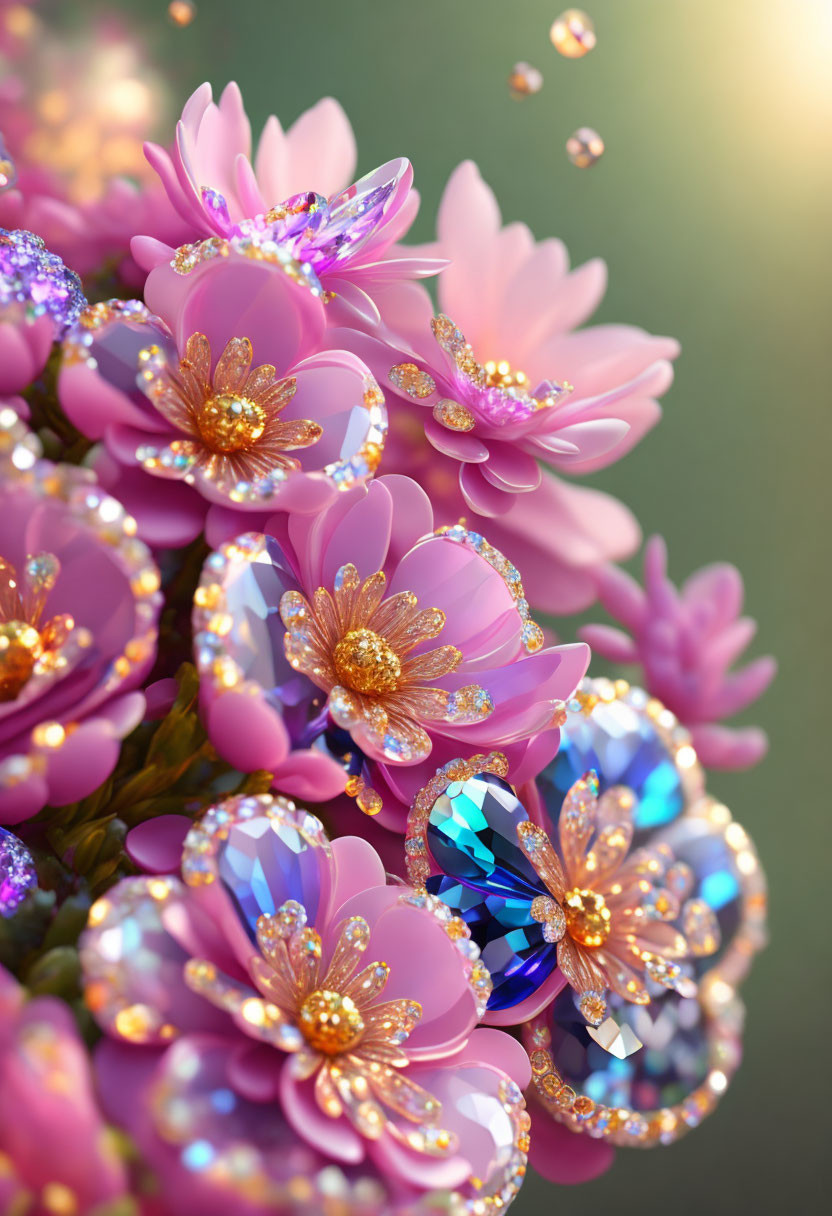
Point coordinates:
pixel 17 872
pixel 38 281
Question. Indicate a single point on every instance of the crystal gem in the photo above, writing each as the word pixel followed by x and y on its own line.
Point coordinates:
pixel 623 746
pixel 17 872
pixel 673 1060
pixel 619 1041
pixel 472 836
pixel 718 882
pixel 264 862
pixel 36 281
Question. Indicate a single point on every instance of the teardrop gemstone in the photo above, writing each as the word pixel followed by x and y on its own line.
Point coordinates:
pixel 472 835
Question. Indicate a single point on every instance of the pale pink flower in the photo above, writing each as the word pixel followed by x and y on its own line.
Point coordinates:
pixel 685 641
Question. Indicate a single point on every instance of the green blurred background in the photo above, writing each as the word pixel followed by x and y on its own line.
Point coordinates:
pixel 712 208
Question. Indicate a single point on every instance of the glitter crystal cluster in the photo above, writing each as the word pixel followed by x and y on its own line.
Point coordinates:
pixel 329 880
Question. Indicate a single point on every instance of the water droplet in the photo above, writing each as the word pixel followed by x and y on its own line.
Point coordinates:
pixel 585 147
pixel 573 34
pixel 524 80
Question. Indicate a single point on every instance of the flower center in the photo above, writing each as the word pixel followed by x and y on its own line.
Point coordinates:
pixel 366 663
pixel 330 1022
pixel 20 648
pixel 228 423
pixel 588 919
pixel 502 375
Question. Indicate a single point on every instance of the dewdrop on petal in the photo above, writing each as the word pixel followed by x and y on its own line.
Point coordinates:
pixel 573 34
pixel 181 12
pixel 585 147
pixel 524 80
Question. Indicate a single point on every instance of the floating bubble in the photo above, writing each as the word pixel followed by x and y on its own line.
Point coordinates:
pixel 181 12
pixel 524 80
pixel 585 147
pixel 573 34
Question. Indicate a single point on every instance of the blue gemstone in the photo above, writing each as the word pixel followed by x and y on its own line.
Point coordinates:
pixel 472 835
pixel 702 846
pixel 488 881
pixel 264 862
pixel 623 746
pixel 511 943
pixel 672 1062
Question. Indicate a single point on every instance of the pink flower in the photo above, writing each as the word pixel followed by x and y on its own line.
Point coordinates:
pixel 294 194
pixel 399 647
pixel 225 397
pixel 263 1018
pixel 78 607
pixel 213 153
pixel 48 1100
pixel 685 642
pixel 489 385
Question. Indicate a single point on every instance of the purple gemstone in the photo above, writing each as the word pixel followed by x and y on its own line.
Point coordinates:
pixel 36 282
pixel 356 214
pixel 265 862
pixel 17 873
pixel 216 206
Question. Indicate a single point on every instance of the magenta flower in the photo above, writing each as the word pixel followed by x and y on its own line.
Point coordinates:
pixel 39 298
pixel 48 1099
pixel 226 396
pixel 295 196
pixel 503 380
pixel 374 638
pixel 285 994
pixel 79 601
pixel 685 642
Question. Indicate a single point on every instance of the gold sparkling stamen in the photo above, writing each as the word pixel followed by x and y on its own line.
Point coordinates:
pixel 588 919
pixel 365 662
pixel 330 1022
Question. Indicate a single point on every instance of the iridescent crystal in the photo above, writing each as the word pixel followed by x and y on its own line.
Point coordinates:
pixel 624 746
pixel 472 835
pixel 326 233
pixel 36 282
pixel 260 856
pixel 735 897
pixel 17 873
pixel 673 1060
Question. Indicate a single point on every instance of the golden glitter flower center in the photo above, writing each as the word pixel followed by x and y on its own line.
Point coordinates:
pixel 365 662
pixel 588 919
pixel 20 649
pixel 330 1023
pixel 26 644
pixel 230 423
pixel 500 374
